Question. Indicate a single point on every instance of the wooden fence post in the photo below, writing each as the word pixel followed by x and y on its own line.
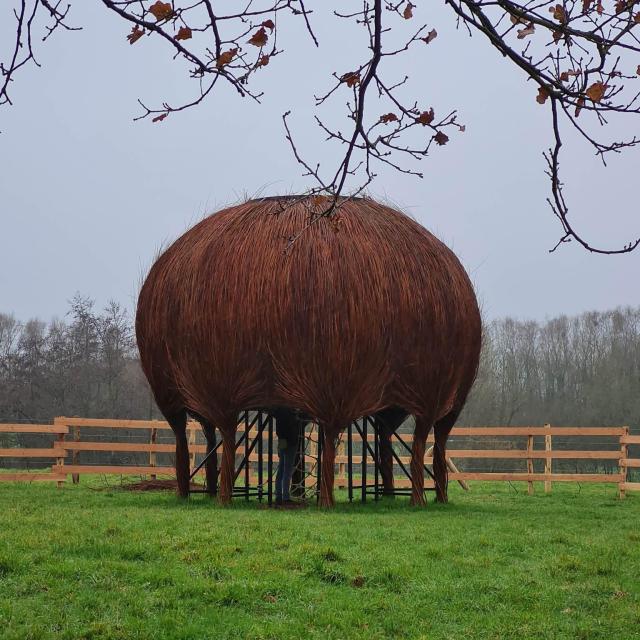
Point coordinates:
pixel 152 454
pixel 530 464
pixel 547 460
pixel 342 473
pixel 192 448
pixel 313 455
pixel 622 463
pixel 60 460
pixel 75 456
pixel 450 465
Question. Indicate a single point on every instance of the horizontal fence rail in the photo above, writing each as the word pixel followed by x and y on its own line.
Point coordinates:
pixel 57 431
pixel 72 437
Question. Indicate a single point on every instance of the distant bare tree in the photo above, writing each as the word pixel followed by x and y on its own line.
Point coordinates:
pixel 84 365
pixel 583 370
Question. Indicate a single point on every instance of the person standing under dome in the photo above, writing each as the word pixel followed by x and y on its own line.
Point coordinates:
pixel 287 430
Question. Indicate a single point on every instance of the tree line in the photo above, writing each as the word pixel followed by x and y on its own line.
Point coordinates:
pixel 568 371
pixel 582 370
pixel 84 364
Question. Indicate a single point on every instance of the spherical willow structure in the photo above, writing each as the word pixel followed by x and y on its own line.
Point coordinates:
pixel 267 304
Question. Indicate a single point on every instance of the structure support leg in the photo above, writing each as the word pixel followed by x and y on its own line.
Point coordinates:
pixel 211 465
pixel 442 429
pixel 179 425
pixel 423 426
pixel 228 464
pixel 440 469
pixel 327 467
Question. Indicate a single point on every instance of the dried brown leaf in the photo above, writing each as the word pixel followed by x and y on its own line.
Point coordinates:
pixel 542 96
pixel 351 78
pixel 184 33
pixel 135 35
pixel 527 31
pixel 161 10
pixel 259 38
pixel 388 117
pixel 426 117
pixel 431 36
pixel 226 57
pixel 441 138
pixel 559 13
pixel 407 14
pixel 625 5
pixel 596 91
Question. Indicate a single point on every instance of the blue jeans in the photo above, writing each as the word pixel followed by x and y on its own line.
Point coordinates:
pixel 286 462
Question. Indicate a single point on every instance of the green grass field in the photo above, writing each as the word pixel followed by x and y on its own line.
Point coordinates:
pixel 93 562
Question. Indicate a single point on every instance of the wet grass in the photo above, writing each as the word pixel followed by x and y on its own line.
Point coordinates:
pixel 493 564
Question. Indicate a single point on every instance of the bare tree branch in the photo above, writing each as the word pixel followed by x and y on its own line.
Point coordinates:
pixel 581 55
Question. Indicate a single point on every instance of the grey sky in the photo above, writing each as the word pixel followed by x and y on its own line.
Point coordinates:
pixel 87 196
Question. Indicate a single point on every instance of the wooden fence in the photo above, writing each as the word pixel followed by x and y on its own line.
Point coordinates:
pixel 67 445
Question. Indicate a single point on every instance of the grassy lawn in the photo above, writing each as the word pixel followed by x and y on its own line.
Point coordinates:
pixel 90 562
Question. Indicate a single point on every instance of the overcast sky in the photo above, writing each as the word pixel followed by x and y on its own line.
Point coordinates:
pixel 87 196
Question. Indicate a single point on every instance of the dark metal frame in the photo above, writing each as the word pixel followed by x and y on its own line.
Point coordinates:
pixel 376 489
pixel 264 421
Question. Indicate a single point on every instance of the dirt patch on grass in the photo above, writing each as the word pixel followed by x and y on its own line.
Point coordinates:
pixel 156 485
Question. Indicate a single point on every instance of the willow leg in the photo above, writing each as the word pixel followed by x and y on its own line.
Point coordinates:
pixel 228 464
pixel 211 465
pixel 328 468
pixel 423 426
pixel 440 469
pixel 179 425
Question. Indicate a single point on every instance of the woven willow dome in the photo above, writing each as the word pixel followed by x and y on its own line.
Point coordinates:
pixel 361 312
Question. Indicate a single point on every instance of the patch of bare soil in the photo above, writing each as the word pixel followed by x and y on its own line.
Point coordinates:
pixel 156 485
